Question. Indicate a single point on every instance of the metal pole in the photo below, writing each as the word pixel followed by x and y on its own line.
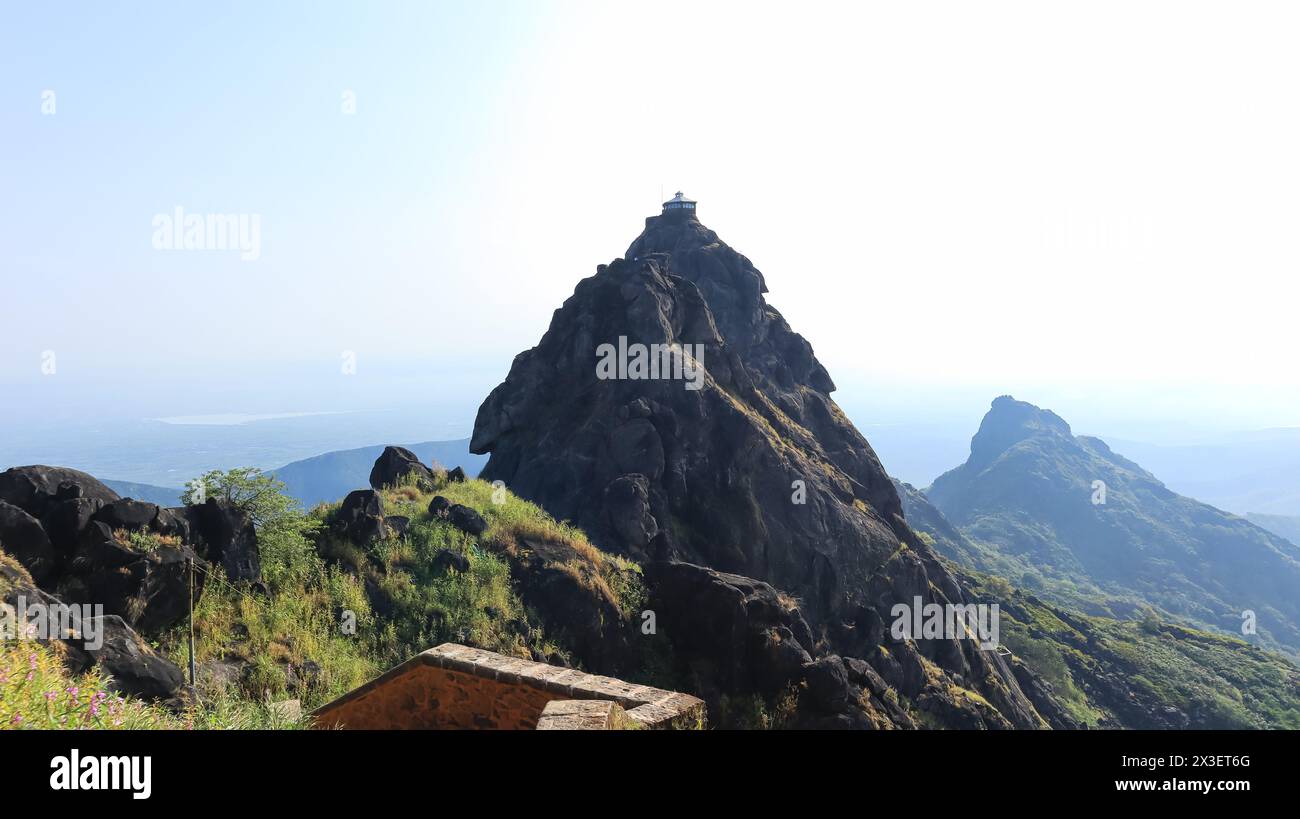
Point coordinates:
pixel 190 562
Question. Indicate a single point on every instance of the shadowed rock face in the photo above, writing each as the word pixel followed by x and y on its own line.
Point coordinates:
pixel 132 667
pixel 61 525
pixel 754 473
pixel 656 470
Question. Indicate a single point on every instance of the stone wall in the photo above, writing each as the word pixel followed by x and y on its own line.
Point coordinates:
pixel 457 687
pixel 584 715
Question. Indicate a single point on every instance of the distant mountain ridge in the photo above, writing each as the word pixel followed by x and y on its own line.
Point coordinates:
pixel 1283 525
pixel 1029 499
pixel 161 495
pixel 326 477
pixel 1106 672
pixel 1245 472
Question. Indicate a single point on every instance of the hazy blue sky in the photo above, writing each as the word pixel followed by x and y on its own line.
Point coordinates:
pixel 1099 216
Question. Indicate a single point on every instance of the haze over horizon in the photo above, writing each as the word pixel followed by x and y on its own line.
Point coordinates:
pixel 1045 222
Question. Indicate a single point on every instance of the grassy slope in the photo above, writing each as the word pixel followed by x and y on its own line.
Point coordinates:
pixel 1095 661
pixel 36 691
pixel 1114 672
pixel 1281 525
pixel 1029 515
pixel 295 642
pixel 253 649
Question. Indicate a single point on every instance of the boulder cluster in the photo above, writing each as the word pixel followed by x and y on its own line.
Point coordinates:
pixel 80 543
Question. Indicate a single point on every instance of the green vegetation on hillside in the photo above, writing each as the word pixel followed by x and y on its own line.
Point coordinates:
pixel 36 691
pixel 1119 663
pixel 1117 673
pixel 1087 528
pixel 337 613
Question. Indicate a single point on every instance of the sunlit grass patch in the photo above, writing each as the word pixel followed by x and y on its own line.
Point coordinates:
pixel 141 540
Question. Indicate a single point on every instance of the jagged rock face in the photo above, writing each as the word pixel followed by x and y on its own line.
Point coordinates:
pixel 654 469
pixel 947 540
pixel 735 635
pixel 745 466
pixel 60 525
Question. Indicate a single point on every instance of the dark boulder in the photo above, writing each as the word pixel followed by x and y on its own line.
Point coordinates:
pixel 226 537
pixel 65 520
pixel 440 507
pixel 34 488
pixel 627 501
pixel 395 464
pixel 397 525
pixel 361 516
pixel 23 537
pixel 128 514
pixel 828 684
pixel 149 590
pixel 570 591
pixel 456 475
pixel 174 521
pixel 466 519
pixel 302 679
pixel 134 669
pixel 445 559
pixel 73 549
pixel 736 634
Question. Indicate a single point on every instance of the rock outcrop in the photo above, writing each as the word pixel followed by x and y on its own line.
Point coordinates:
pixel 360 518
pixel 37 488
pixel 133 668
pixel 227 538
pixel 67 530
pixel 675 416
pixel 25 539
pixel 756 471
pixel 395 465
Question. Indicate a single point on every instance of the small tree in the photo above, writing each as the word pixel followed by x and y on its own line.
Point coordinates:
pixel 284 531
pixel 258 495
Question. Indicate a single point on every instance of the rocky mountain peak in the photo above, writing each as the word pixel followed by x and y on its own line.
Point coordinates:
pixel 1077 515
pixel 1007 423
pixel 703 470
pixel 734 477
